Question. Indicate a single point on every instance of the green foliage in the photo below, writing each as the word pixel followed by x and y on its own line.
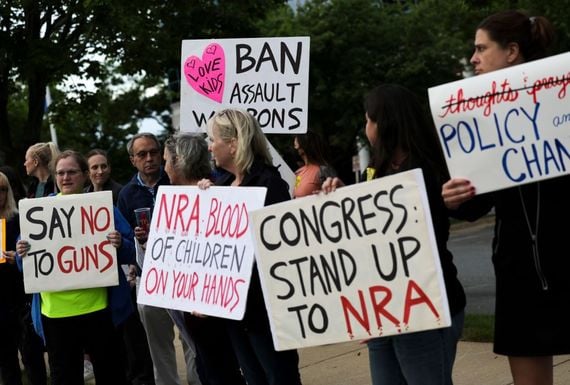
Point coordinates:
pixel 357 44
pixel 47 42
pixel 478 328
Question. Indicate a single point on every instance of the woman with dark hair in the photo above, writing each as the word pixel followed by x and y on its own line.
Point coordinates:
pixel 316 169
pixel 100 174
pixel 402 138
pixel 531 270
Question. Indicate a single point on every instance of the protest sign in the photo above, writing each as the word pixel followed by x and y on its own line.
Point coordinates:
pixel 68 239
pixel 269 77
pixel 358 263
pixel 2 239
pixel 506 127
pixel 284 170
pixel 199 255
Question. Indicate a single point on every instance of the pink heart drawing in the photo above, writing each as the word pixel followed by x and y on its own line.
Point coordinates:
pixel 207 75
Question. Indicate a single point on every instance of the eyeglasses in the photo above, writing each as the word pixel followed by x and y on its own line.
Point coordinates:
pixel 144 154
pixel 71 173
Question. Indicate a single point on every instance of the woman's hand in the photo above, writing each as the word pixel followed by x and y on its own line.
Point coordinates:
pixel 456 191
pixel 22 247
pixel 205 183
pixel 10 256
pixel 199 315
pixel 331 184
pixel 114 237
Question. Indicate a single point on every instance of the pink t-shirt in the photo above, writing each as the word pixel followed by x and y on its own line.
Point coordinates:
pixel 307 180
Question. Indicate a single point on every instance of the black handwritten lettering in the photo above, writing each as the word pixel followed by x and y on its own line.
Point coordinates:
pixel 245 61
pixel 43 262
pixel 43 226
pixel 311 318
pixel 333 221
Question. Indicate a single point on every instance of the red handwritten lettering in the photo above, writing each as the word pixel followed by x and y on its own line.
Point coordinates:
pixel 99 221
pixel 227 220
pixel 421 299
pixel 156 281
pixel 70 259
pixel 550 82
pixel 457 103
pixel 221 290
pixel 415 296
pixel 348 308
pixel 184 285
pixel 173 213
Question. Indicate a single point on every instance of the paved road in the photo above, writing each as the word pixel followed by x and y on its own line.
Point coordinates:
pixel 471 248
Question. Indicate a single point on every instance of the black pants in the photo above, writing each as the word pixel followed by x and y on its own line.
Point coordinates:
pixel 69 337
pixel 9 362
pixel 215 359
pixel 16 332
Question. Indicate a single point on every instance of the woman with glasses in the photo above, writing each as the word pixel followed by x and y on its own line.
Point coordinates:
pixel 74 321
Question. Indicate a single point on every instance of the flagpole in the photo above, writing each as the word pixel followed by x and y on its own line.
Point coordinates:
pixel 51 127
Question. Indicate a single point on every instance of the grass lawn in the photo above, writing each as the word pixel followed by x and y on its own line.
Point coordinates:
pixel 478 328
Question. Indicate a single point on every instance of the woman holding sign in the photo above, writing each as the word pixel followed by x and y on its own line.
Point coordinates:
pixel 402 138
pixel 240 148
pixel 187 162
pixel 75 321
pixel 529 249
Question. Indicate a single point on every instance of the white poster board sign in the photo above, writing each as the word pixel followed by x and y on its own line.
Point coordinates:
pixel 358 263
pixel 284 170
pixel 507 127
pixel 199 255
pixel 269 77
pixel 68 239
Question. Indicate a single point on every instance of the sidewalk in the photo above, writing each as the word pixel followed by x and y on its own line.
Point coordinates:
pixel 347 364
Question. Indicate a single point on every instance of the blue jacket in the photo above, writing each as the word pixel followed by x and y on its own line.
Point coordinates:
pixel 134 196
pixel 119 297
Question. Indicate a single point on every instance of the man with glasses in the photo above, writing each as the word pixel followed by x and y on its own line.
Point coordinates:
pixel 145 155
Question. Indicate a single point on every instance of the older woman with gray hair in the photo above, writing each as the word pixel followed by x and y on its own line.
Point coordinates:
pixel 187 161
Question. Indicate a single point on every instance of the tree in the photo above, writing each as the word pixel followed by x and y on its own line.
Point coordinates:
pixel 357 44
pixel 44 42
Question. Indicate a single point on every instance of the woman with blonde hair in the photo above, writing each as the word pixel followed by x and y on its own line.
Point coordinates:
pixel 14 310
pixel 39 164
pixel 239 147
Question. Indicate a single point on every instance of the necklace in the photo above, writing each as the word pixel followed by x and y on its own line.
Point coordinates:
pixel 534 234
